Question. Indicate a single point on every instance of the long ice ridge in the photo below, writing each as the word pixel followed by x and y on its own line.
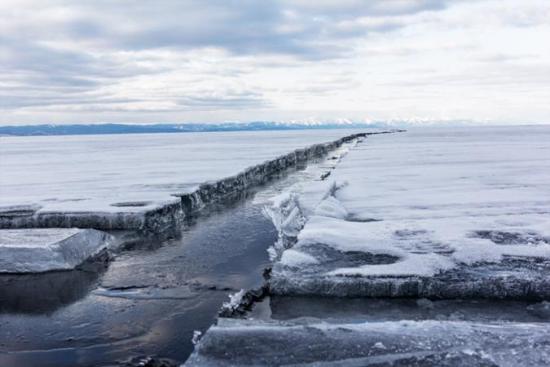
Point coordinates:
pixel 165 217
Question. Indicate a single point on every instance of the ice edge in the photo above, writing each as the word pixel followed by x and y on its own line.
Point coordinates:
pixel 166 218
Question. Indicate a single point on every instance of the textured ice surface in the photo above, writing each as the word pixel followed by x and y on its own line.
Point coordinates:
pixel 139 181
pixel 430 213
pixel 46 249
pixel 123 172
pixel 393 343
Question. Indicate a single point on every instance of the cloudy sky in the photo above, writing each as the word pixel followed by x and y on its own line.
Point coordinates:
pixel 291 60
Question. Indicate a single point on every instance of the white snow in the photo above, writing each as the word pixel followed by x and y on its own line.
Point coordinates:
pixel 39 250
pixel 234 300
pixel 410 265
pixel 288 211
pixel 128 173
pixel 331 207
pixel 433 198
pixel 196 337
pixel 295 258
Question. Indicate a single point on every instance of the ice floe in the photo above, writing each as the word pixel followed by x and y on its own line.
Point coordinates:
pixel 47 249
pixel 393 343
pixel 404 214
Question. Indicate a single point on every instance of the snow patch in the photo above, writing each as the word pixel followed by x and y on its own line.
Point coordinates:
pixel 331 207
pixel 426 265
pixel 292 257
pixel 234 301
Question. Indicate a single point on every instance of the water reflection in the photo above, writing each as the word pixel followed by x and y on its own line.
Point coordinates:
pixel 47 292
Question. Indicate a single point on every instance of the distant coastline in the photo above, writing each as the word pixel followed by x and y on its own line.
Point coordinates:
pixel 112 128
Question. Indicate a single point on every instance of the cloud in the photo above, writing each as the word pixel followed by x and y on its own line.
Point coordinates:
pixel 223 59
pixel 241 27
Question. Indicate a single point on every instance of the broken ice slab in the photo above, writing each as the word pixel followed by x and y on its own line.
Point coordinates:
pixel 324 331
pixel 394 343
pixel 513 278
pixel 158 218
pixel 46 249
pixel 438 213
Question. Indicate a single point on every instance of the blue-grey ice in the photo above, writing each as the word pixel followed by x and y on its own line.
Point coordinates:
pixel 396 343
pixel 47 249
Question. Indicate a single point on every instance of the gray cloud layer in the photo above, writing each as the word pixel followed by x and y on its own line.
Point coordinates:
pixel 62 59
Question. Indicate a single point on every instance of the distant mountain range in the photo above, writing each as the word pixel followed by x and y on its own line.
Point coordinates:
pixel 79 129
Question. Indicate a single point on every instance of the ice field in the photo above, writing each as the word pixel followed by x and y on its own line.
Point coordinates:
pixel 117 173
pixel 430 213
pixel 430 247
pixel 427 247
pixel 147 299
pixel 145 183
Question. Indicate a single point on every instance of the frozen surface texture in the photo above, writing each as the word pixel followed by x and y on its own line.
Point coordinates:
pixel 438 213
pixel 393 343
pixel 46 249
pixel 139 181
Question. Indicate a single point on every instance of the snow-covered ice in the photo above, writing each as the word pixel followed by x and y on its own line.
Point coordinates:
pixel 235 300
pixel 47 249
pixel 103 172
pixel 440 212
pixel 103 179
pixel 417 228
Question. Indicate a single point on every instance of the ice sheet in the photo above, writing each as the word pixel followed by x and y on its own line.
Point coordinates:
pixel 127 173
pixel 466 205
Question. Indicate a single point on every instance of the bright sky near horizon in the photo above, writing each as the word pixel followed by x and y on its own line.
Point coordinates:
pixel 288 60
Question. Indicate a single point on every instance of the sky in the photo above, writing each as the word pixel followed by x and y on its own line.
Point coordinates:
pixel 291 60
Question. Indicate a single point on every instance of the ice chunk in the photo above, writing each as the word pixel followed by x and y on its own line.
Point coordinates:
pixel 39 250
pixel 234 301
pixel 395 343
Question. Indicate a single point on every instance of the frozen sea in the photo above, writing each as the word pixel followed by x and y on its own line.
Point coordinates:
pixel 424 248
pixel 431 212
pixel 103 172
pixel 149 299
pixel 470 204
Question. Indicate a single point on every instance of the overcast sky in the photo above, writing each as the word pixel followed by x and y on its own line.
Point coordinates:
pixel 291 60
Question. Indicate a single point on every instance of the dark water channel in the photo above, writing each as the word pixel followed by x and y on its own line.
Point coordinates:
pixel 147 301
